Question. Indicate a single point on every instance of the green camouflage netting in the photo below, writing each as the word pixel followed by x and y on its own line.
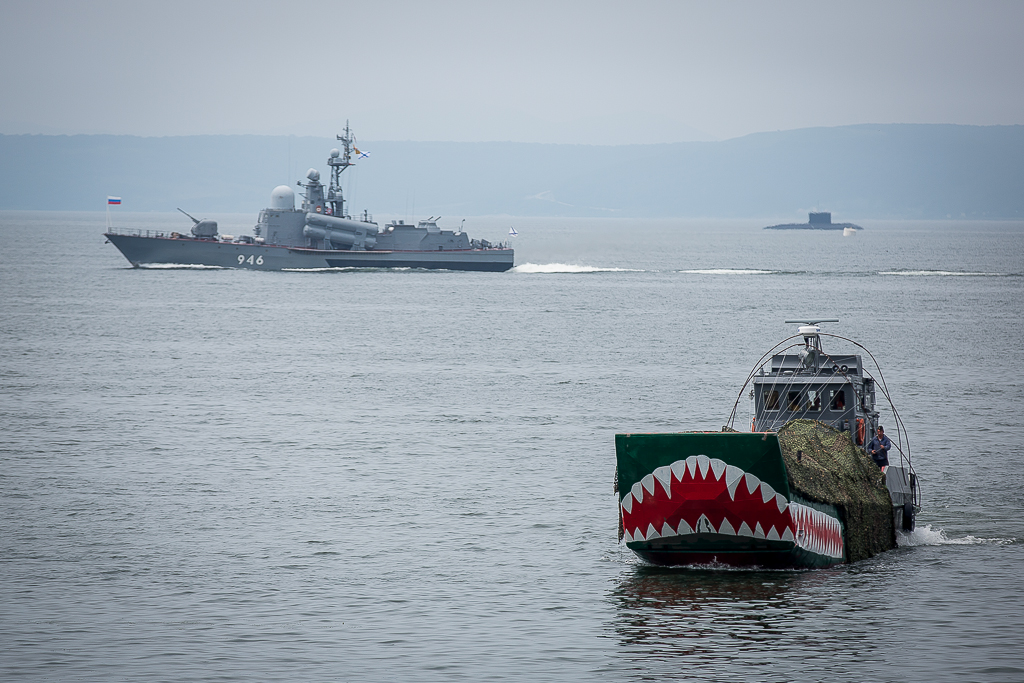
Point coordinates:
pixel 831 469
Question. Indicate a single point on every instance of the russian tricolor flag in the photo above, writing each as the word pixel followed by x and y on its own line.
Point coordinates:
pixel 113 200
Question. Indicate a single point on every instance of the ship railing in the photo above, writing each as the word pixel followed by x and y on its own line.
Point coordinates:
pixel 137 232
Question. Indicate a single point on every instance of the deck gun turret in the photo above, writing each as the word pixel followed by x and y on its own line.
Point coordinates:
pixel 203 229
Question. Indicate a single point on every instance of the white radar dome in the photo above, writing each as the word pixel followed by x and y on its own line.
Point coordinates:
pixel 335 154
pixel 313 174
pixel 282 198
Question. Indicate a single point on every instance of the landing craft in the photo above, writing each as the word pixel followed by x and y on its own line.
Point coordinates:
pixel 319 235
pixel 798 490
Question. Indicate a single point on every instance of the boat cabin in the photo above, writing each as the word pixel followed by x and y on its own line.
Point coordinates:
pixel 812 384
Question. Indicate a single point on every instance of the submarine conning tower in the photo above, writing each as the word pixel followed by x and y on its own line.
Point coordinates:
pixel 820 218
pixel 805 381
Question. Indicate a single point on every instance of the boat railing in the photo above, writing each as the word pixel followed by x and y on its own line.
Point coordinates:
pixel 137 232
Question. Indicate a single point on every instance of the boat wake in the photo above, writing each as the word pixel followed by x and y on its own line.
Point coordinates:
pixel 926 535
pixel 179 266
pixel 941 273
pixel 728 271
pixel 349 269
pixel 568 268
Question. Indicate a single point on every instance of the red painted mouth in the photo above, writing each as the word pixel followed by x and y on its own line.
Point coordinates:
pixel 702 495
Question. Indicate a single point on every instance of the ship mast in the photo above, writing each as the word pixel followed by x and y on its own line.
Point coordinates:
pixel 338 163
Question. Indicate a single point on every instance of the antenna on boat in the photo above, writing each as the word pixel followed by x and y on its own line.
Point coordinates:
pixel 809 330
pixel 811 353
pixel 814 322
pixel 339 161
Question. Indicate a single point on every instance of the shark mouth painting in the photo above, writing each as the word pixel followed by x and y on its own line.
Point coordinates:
pixel 705 498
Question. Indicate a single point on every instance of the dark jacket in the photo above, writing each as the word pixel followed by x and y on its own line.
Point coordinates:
pixel 879 450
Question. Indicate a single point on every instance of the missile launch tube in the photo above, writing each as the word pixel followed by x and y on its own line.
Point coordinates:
pixel 339 231
pixel 335 223
pixel 338 237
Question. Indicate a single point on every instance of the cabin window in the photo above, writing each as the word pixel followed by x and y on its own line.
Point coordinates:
pixel 771 400
pixel 839 400
pixel 813 400
pixel 793 401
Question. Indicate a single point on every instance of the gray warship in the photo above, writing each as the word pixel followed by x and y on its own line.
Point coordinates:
pixel 816 220
pixel 320 234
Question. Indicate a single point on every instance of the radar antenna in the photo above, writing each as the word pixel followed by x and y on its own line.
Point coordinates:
pixel 812 342
pixel 338 165
pixel 813 322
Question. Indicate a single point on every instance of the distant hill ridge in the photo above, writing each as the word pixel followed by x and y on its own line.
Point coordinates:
pixel 857 172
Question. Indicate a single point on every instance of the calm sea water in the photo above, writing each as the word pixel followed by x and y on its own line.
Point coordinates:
pixel 217 475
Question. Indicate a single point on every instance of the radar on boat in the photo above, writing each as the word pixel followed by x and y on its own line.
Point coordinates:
pixel 282 198
pixel 810 329
pixel 335 153
pixel 313 174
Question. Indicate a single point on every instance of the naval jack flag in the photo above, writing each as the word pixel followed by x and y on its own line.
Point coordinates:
pixel 111 201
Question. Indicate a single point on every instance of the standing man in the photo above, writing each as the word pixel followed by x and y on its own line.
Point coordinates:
pixel 879 447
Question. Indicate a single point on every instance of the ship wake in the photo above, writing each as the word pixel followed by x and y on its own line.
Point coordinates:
pixel 569 268
pixel 178 266
pixel 926 535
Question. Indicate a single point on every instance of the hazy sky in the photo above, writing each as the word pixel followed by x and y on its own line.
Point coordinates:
pixel 572 72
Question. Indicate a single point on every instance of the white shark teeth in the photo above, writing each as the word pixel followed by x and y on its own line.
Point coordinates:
pixel 664 475
pixel 648 483
pixel 704 526
pixel 703 462
pixel 638 492
pixel 703 468
pixel 821 531
pixel 679 469
pixel 781 502
pixel 691 465
pixel 717 466
pixel 628 536
pixel 733 475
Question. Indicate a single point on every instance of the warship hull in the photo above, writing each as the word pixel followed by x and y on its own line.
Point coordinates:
pixel 143 249
pixel 318 235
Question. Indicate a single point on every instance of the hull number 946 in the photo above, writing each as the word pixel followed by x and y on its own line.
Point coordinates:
pixel 253 259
